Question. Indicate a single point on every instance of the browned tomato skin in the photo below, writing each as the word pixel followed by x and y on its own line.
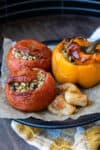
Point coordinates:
pixel 36 100
pixel 45 54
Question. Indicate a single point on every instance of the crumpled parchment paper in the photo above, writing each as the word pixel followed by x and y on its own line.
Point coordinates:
pixel 6 111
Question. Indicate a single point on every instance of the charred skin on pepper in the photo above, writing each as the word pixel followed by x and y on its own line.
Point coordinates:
pixel 77 53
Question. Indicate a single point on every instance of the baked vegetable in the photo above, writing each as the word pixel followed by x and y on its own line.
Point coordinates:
pixel 68 99
pixel 30 90
pixel 77 60
pixel 28 54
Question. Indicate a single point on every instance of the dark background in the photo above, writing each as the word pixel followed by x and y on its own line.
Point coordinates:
pixel 17 22
pixel 12 9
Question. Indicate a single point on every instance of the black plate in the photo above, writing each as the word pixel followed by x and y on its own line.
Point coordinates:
pixel 68 123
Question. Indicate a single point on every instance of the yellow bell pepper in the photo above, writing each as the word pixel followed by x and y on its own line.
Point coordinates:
pixel 77 60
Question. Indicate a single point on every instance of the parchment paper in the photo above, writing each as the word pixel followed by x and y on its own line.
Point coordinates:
pixel 6 111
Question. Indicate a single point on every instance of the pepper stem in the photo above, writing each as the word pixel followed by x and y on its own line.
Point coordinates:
pixel 92 47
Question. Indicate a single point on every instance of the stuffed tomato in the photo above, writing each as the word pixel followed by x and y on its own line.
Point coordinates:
pixel 28 54
pixel 30 90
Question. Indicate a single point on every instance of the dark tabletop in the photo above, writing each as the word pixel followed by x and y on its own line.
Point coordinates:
pixel 40 28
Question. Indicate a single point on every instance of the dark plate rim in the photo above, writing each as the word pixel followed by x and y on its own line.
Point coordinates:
pixel 68 123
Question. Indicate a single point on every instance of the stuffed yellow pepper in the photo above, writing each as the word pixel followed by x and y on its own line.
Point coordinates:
pixel 77 60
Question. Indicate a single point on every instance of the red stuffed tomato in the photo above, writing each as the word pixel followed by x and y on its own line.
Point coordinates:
pixel 30 90
pixel 28 54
